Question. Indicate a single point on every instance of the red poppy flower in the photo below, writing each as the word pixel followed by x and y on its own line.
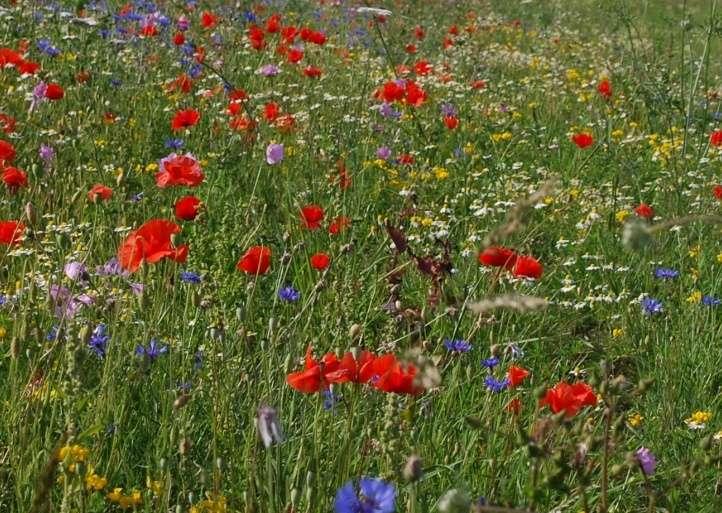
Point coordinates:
pixel 397 377
pixel 179 38
pixel 419 32
pixel 320 261
pixel 208 20
pixel 187 208
pixel 605 88
pixel 513 406
pixel 311 216
pixel 54 91
pixel 242 123
pixel 256 37
pixel 184 119
pixel 569 398
pixel 406 158
pixel 516 375
pixel 28 68
pixel 179 170
pixel 349 368
pixel 312 36
pixel 273 24
pixel 339 225
pixel 289 33
pixel 271 111
pixel 527 267
pixel 644 211
pixel 411 48
pixel 9 57
pixel 391 92
pixel 294 55
pixel 583 140
pixel 100 191
pixel 451 122
pixel 311 379
pixel 7 152
pixel 312 71
pixel 717 191
pixel 478 84
pixel 422 67
pixel 149 30
pixel 414 94
pixel 14 178
pixel 151 243
pixel 497 257
pixel 7 124
pixel 11 232
pixel 715 138
pixel 257 260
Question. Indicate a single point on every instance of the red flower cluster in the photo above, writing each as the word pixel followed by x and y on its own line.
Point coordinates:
pixel 383 372
pixel 405 91
pixel 569 398
pixel 7 152
pixel 151 243
pixel 521 266
pixel 11 58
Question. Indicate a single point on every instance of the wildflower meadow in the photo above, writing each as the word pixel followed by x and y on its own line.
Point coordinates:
pixel 405 256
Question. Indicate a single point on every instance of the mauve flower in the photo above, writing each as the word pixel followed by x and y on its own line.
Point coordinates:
pixel 67 305
pixel 76 271
pixel 183 23
pixel 47 153
pixel 274 153
pixel 269 70
pixel 111 268
pixel 646 460
pixel 38 94
pixel 269 426
pixel 383 152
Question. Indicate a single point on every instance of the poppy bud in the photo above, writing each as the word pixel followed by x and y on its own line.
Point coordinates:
pixel 454 501
pixel 354 332
pixel 30 213
pixel 269 426
pixel 184 446
pixel 413 469
pixel 181 401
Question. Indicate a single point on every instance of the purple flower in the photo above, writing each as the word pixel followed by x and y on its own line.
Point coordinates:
pixel 153 351
pixel 38 94
pixel 387 111
pixel 710 301
pixel 373 495
pixel 646 460
pixel 448 109
pixel 137 288
pixel 490 363
pixel 111 268
pixel 289 294
pixel 183 23
pixel 47 153
pixel 383 152
pixel 665 273
pixel 76 271
pixel 269 70
pixel 67 305
pixel 274 153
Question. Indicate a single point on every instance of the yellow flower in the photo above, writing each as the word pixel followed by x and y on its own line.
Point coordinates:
pixel 635 420
pixel 426 221
pixel 151 167
pixel 572 75
pixel 621 215
pixel 3 332
pixel 217 505
pixel 441 173
pixel 698 420
pixel 72 453
pixel 469 149
pixel 115 495
pixel 617 332
pixel 719 258
pixel 617 134
pixel 574 193
pixel 694 251
pixel 501 136
pixel 548 200
pixel 154 486
pixel 94 482
pixel 695 297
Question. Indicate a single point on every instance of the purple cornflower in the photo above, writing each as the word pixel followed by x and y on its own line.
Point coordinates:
pixel 269 70
pixel 373 495
pixel 274 153
pixel 490 363
pixel 665 273
pixel 289 294
pixel 646 460
pixel 448 109
pixel 494 385
pixel 99 341
pixel 153 351
pixel 330 399
pixel 388 111
pixel 46 153
pixel 137 288
pixel 383 152
pixel 111 268
pixel 457 346
pixel 651 306
pixel 46 47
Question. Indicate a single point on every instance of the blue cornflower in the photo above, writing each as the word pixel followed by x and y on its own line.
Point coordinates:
pixel 710 301
pixel 99 341
pixel 116 82
pixel 289 294
pixel 665 273
pixel 190 277
pixel 494 385
pixel 46 47
pixel 457 346
pixel 174 143
pixel 374 495
pixel 153 351
pixel 3 299
pixel 652 306
pixel 330 399
pixel 250 16
pixel 52 334
pixel 490 363
pixel 136 198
